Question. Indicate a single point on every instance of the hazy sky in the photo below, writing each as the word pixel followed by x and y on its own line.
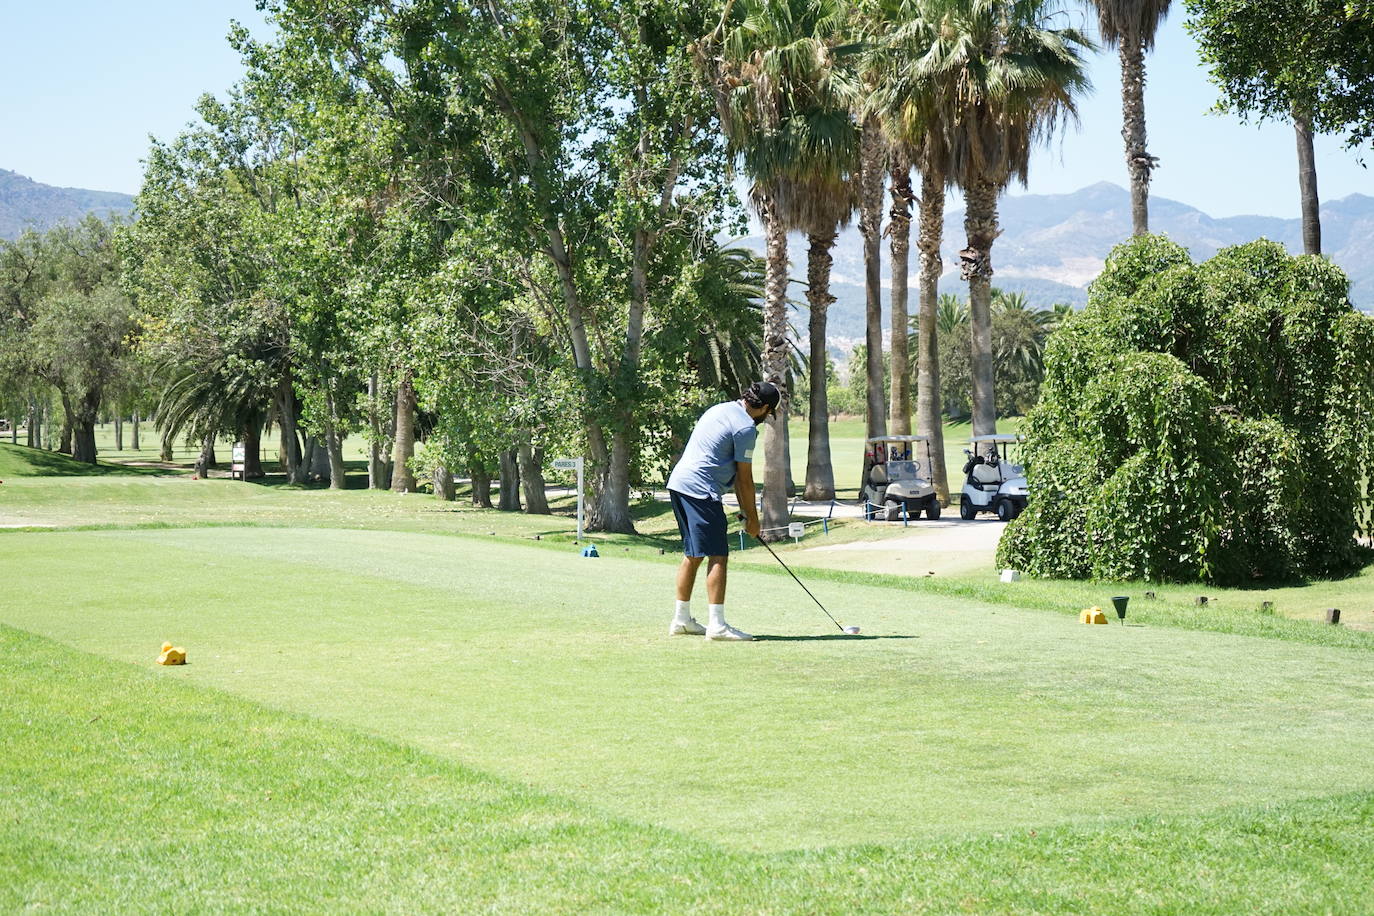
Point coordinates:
pixel 87 82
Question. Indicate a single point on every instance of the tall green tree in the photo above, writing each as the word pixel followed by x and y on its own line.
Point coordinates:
pixel 66 320
pixel 1305 61
pixel 1130 26
pixel 784 102
pixel 1005 79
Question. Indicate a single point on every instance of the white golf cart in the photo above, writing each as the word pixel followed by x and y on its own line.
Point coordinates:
pixel 897 475
pixel 992 483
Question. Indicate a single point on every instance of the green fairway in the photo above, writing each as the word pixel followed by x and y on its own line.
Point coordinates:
pixel 550 669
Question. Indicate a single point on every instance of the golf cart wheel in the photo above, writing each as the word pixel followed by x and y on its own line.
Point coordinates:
pixel 893 510
pixel 933 509
pixel 1005 510
pixel 967 510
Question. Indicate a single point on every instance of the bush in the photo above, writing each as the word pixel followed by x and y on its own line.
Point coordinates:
pixel 1202 422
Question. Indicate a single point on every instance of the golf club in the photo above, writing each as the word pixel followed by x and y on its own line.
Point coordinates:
pixel 851 631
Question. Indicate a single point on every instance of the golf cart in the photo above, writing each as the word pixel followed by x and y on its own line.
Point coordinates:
pixel 991 482
pixel 894 476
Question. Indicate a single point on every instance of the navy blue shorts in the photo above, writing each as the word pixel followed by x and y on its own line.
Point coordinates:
pixel 702 524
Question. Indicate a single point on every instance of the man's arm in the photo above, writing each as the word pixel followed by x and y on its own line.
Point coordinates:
pixel 744 490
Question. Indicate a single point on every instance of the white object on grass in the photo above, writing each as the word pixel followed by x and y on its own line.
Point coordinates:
pixel 852 631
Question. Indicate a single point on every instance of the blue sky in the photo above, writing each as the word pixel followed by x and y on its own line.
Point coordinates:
pixel 87 82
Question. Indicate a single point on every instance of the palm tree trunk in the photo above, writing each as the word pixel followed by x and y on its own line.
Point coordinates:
pixel 1139 163
pixel 206 459
pixel 775 368
pixel 928 419
pixel 899 228
pixel 402 480
pixel 872 153
pixel 1307 185
pixel 820 475
pixel 119 433
pixel 980 224
pixel 135 431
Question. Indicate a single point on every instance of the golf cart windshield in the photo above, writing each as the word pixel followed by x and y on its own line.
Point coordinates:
pixel 902 470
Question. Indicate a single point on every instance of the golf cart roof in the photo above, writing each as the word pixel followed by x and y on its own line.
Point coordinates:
pixel 897 439
pixel 996 437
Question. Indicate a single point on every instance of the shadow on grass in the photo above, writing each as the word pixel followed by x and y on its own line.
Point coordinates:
pixel 24 461
pixel 858 637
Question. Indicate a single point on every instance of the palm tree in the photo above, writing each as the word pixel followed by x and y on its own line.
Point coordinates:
pixel 1130 26
pixel 1002 80
pixel 907 101
pixel 783 103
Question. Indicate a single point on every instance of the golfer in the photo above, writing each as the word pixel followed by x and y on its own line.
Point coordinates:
pixel 720 453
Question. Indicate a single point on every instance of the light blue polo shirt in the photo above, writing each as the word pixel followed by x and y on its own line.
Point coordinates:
pixel 724 435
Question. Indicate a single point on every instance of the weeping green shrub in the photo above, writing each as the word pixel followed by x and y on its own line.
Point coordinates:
pixel 1202 422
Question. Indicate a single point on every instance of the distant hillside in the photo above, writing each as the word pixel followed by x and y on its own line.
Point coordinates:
pixel 1053 245
pixel 26 204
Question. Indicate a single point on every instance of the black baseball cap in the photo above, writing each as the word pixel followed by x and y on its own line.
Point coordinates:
pixel 763 394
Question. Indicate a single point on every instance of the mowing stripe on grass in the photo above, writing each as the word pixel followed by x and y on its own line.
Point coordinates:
pixel 553 669
pixel 129 791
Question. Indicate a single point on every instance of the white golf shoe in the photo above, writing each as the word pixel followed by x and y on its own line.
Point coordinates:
pixel 689 628
pixel 727 632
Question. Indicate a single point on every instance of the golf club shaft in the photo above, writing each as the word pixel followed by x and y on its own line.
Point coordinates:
pixel 799 582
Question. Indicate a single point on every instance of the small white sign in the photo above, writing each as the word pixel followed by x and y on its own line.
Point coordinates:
pixel 238 452
pixel 566 464
pixel 796 529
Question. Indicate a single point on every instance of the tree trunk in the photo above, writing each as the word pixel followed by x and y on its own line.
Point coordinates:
pixel 65 443
pixel 1307 186
pixel 510 482
pixel 481 485
pixel 82 427
pixel 206 459
pixel 610 504
pixel 980 224
pixel 33 433
pixel 532 479
pixel 45 427
pixel 291 458
pixel 820 474
pixel 928 419
pixel 333 440
pixel 402 480
pixel 376 467
pixel 443 483
pixel 872 154
pixel 1139 163
pixel 775 368
pixel 119 434
pixel 135 431
pixel 899 227
pixel 252 451
pixel 166 455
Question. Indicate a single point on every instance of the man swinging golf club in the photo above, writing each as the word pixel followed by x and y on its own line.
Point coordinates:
pixel 719 453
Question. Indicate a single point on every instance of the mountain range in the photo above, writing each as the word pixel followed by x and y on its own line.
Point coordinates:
pixel 27 204
pixel 1053 245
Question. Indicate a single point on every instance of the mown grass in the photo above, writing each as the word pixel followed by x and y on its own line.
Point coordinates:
pixel 135 789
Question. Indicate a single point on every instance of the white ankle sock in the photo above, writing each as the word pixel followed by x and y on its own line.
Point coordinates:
pixel 684 612
pixel 717 614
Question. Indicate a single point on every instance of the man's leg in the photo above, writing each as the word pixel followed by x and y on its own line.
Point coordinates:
pixel 683 624
pixel 717 628
pixel 687 577
pixel 715 580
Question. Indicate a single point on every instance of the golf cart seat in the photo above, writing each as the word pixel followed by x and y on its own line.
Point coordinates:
pixel 878 475
pixel 984 474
